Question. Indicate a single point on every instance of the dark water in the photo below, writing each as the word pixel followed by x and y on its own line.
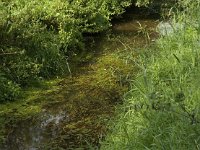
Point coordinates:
pixel 29 135
pixel 82 104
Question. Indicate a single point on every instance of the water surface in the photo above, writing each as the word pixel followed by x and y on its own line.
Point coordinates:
pixel 76 114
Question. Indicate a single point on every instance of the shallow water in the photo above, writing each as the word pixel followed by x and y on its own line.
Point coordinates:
pixel 29 134
pixel 85 102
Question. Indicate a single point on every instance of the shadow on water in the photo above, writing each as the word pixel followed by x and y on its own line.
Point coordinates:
pixel 75 115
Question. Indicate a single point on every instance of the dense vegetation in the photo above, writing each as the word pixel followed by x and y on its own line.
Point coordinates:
pixel 161 111
pixel 39 40
pixel 39 37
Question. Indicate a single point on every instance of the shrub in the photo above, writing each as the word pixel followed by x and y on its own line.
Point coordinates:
pixel 8 91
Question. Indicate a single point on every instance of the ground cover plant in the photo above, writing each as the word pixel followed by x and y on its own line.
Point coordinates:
pixel 161 111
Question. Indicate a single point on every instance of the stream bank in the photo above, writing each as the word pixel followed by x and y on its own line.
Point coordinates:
pixel 73 111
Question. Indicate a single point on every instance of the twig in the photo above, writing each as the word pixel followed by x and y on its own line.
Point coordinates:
pixel 68 67
pixel 3 54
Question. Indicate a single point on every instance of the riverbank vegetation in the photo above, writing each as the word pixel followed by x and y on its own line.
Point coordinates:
pixel 161 111
pixel 42 40
pixel 38 37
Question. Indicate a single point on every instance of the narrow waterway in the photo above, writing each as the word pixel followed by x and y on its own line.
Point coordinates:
pixel 75 114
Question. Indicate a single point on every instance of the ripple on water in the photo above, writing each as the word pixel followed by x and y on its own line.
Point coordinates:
pixel 31 134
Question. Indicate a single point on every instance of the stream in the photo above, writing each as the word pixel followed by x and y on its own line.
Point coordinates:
pixel 76 114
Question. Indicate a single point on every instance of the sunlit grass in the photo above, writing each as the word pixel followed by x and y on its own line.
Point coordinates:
pixel 161 111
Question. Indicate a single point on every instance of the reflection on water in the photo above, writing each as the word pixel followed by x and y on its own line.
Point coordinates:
pixel 133 30
pixel 31 133
pixel 168 28
pixel 54 119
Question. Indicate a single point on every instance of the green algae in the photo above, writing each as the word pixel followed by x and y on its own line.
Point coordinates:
pixel 97 84
pixel 88 98
pixel 13 112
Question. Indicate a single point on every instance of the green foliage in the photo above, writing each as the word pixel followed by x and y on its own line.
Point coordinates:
pixel 38 37
pixel 161 111
pixel 8 90
pixel 142 2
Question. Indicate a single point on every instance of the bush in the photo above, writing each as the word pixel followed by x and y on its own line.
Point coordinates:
pixel 8 91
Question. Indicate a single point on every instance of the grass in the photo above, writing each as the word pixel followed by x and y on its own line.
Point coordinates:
pixel 161 111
